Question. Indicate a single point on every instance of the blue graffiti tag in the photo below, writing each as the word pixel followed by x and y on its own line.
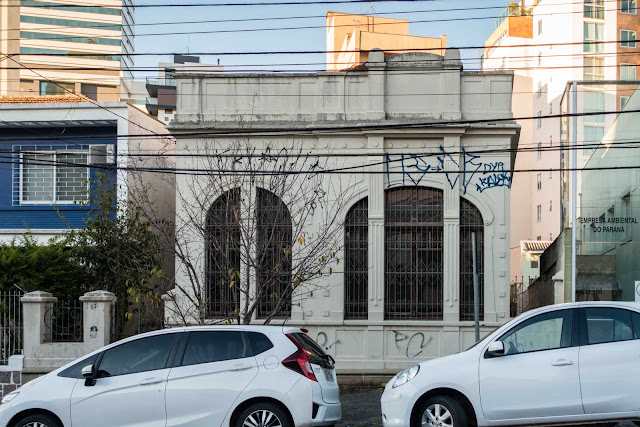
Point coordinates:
pixel 494 176
pixel 415 167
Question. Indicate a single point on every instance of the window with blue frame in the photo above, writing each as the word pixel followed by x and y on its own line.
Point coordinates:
pixel 54 177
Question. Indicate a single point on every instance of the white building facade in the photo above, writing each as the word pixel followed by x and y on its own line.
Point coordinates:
pixel 438 145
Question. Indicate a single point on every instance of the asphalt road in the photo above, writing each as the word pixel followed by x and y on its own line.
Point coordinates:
pixel 361 408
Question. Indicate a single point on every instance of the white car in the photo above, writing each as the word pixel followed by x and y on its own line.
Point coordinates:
pixel 254 376
pixel 562 364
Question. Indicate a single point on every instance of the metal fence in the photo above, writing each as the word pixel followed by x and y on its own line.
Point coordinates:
pixel 11 332
pixel 129 318
pixel 64 322
pixel 527 294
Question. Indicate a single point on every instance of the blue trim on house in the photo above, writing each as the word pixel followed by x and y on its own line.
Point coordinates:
pixel 13 215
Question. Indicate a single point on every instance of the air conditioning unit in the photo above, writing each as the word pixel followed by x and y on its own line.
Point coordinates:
pixel 102 155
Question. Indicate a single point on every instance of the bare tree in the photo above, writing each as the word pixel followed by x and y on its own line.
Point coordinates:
pixel 258 227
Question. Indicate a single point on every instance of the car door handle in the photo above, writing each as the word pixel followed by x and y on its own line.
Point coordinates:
pixel 149 381
pixel 240 367
pixel 562 362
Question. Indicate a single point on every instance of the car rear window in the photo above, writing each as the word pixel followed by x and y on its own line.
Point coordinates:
pixel 259 342
pixel 318 356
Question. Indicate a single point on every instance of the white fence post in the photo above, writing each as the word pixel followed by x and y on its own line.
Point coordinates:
pixel 97 318
pixel 35 306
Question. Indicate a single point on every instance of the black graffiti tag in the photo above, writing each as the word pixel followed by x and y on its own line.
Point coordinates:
pixel 413 344
pixel 323 341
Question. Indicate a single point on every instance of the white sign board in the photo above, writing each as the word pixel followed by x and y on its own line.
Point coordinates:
pixel 637 291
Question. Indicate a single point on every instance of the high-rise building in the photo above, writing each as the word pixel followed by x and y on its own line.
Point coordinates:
pixel 58 47
pixel 549 44
pixel 350 38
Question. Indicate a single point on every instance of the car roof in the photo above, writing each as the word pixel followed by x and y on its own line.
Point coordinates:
pixel 583 304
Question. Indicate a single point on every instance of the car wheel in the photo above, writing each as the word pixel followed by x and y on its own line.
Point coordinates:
pixel 441 411
pixel 38 420
pixel 263 415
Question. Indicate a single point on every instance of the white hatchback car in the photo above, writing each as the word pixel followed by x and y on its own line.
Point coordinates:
pixel 562 364
pixel 254 376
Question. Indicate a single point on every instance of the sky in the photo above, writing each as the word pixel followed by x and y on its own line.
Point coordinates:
pixel 460 32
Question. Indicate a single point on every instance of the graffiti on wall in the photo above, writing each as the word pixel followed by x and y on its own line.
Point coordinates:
pixel 412 345
pixel 323 341
pixel 469 170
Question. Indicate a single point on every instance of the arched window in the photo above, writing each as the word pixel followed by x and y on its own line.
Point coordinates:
pixel 223 255
pixel 470 222
pixel 413 253
pixel 273 252
pixel 356 254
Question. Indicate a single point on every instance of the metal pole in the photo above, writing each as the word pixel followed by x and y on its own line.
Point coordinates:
pixel 476 288
pixel 574 191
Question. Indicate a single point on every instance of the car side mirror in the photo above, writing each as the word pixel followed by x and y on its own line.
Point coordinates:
pixel 89 375
pixel 496 349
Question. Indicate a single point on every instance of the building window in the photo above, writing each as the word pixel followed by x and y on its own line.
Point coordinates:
pixel 539 181
pixel 550 108
pixel 627 38
pixel 539 59
pixel 539 215
pixel 274 259
pixel 470 222
pixel 592 137
pixel 539 92
pixel 534 263
pixel 539 238
pixel 593 68
pixel 57 88
pixel 54 177
pixel 593 36
pixel 594 103
pixel 540 27
pixel 539 152
pixel 627 72
pixel 222 246
pixel 356 254
pixel 594 9
pixel 539 122
pixel 413 253
pixel 623 101
pixel 272 252
pixel 550 205
pixel 628 6
pixel 86 9
pixel 70 23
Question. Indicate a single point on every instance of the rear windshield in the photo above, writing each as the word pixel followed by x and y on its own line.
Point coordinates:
pixel 318 356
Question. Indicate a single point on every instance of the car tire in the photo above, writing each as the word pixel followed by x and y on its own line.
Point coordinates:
pixel 39 420
pixel 264 414
pixel 445 412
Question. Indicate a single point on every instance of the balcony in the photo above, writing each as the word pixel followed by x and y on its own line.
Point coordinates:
pixel 154 104
pixel 513 9
pixel 153 84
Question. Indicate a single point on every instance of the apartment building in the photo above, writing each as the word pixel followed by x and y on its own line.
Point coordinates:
pixel 162 90
pixel 59 47
pixel 350 38
pixel 549 44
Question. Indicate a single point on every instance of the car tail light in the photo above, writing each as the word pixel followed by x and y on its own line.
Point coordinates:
pixel 299 361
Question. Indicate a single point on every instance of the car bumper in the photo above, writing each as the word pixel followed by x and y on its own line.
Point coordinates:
pixel 397 404
pixel 327 415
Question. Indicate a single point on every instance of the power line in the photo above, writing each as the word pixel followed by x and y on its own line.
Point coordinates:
pixel 315 52
pixel 88 99
pixel 336 129
pixel 275 3
pixel 313 171
pixel 240 30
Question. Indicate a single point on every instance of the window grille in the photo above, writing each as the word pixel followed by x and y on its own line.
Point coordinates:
pixel 413 253
pixel 223 255
pixel 356 253
pixel 470 222
pixel 274 242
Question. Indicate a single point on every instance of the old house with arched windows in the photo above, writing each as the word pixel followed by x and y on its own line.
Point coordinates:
pixel 398 162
